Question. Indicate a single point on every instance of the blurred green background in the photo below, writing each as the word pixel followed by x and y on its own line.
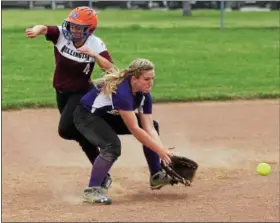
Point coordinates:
pixel 194 58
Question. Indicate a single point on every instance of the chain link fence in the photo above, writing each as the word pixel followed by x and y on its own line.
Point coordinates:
pixel 234 5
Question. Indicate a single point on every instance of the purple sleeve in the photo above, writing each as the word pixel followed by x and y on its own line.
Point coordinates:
pixel 122 103
pixel 52 34
pixel 147 105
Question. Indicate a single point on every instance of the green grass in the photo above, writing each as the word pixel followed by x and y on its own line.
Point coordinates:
pixel 192 63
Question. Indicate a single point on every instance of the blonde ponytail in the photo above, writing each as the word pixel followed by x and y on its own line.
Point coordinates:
pixel 112 79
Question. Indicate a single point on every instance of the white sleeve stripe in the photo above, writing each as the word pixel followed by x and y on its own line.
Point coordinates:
pixel 140 109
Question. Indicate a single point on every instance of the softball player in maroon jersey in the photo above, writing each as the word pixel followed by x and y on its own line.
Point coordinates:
pixel 76 51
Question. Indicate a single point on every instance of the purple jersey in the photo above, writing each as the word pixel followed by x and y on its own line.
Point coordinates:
pixel 73 70
pixel 98 103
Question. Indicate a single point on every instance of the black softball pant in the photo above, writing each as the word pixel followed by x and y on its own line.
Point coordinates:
pixel 103 131
pixel 67 103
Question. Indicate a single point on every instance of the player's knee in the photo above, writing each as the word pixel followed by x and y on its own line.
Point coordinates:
pixel 111 152
pixel 156 125
pixel 64 132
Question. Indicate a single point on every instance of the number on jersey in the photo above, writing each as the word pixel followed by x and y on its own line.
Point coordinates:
pixel 87 69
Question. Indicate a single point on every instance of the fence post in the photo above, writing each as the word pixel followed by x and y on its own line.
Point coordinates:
pixel 187 8
pixel 31 4
pixel 90 3
pixel 53 5
pixel 222 14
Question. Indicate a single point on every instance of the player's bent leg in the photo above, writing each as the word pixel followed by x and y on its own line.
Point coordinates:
pixel 66 127
pixel 92 152
pixel 152 157
pixel 66 130
pixel 100 134
pixel 109 153
pixel 94 193
pixel 158 177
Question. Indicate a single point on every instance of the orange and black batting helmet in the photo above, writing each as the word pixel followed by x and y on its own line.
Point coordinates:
pixel 83 19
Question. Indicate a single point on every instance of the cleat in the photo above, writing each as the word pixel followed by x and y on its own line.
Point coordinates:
pixel 95 195
pixel 160 179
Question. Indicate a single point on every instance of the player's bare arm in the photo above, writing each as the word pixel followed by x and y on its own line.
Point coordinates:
pixel 102 62
pixel 35 31
pixel 130 120
pixel 148 125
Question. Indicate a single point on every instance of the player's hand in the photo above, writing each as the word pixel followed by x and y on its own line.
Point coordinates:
pixel 86 50
pixel 165 154
pixel 31 33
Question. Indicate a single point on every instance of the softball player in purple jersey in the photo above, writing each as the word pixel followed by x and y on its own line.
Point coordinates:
pixel 76 50
pixel 108 110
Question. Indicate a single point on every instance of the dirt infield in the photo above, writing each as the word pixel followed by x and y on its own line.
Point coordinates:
pixel 43 176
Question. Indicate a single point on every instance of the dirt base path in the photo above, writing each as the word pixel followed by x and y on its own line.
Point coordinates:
pixel 43 176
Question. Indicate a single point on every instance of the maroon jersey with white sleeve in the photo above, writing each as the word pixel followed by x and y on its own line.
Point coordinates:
pixel 73 70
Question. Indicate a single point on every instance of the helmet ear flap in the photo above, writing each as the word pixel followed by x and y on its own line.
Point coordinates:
pixel 66 30
pixel 67 26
